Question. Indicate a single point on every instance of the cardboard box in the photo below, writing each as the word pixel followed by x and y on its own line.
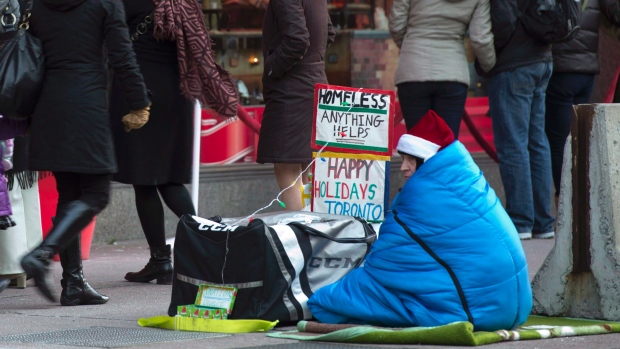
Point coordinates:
pixel 216 297
pixel 196 311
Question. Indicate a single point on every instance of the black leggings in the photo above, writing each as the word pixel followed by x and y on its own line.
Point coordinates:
pixel 93 189
pixel 151 211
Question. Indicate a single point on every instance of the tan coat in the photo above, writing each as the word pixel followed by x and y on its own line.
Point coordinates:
pixel 430 35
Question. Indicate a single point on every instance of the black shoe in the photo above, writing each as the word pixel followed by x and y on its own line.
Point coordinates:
pixel 79 292
pixel 72 218
pixel 75 288
pixel 37 264
pixel 159 267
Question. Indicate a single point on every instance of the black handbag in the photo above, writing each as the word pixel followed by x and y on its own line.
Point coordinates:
pixel 21 71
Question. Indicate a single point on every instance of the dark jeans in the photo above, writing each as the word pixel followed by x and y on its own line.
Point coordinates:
pixel 517 107
pixel 564 91
pixel 446 98
pixel 93 189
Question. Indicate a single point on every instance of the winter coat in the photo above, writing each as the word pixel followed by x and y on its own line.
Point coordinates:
pixel 430 35
pixel 70 129
pixel 10 128
pixel 161 151
pixel 447 251
pixel 580 55
pixel 296 34
pixel 514 48
pixel 5 202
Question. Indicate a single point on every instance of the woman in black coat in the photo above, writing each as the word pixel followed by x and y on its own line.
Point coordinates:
pixel 157 159
pixel 70 131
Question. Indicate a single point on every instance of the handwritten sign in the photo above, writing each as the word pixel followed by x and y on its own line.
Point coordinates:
pixel 353 120
pixel 351 185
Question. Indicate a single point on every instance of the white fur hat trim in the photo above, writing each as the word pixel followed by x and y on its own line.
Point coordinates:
pixel 417 146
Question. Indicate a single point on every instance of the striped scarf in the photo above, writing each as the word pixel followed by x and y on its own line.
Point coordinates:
pixel 201 77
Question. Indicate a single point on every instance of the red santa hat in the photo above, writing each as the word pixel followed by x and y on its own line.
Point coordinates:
pixel 426 138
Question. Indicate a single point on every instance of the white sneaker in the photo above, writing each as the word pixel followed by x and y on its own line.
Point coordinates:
pixel 525 236
pixel 547 235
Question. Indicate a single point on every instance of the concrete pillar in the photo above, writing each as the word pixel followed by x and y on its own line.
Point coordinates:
pixel 581 275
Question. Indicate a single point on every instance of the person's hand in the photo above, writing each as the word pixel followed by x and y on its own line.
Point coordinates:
pixel 136 119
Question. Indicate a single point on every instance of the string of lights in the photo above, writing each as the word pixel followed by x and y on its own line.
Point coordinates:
pixel 277 199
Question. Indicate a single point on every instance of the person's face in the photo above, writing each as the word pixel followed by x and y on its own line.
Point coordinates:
pixel 408 167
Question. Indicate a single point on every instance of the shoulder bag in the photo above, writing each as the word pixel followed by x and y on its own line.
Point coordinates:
pixel 21 71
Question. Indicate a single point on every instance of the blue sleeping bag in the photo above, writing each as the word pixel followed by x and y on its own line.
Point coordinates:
pixel 447 251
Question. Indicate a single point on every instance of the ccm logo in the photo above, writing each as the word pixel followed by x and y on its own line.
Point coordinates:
pixel 333 263
pixel 217 226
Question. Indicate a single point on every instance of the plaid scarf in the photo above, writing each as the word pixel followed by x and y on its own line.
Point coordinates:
pixel 201 77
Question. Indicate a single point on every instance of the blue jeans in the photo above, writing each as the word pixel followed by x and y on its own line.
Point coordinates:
pixel 446 98
pixel 564 90
pixel 517 107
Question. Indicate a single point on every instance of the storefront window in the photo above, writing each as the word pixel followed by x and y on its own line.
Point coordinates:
pixel 233 15
pixel 235 26
pixel 356 14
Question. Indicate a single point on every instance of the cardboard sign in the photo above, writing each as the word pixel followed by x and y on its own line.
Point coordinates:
pixel 353 120
pixel 351 184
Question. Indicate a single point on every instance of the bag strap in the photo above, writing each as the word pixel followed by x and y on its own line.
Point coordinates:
pixel 25 24
pixel 368 239
pixel 141 28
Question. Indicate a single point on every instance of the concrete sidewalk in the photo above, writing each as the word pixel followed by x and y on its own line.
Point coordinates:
pixel 28 321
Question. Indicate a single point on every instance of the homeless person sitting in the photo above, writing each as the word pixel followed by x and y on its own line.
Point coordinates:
pixel 447 251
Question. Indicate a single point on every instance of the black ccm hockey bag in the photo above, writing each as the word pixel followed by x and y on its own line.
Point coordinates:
pixel 276 262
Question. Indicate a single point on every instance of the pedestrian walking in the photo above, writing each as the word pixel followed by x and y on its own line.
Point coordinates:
pixel 70 131
pixel 16 241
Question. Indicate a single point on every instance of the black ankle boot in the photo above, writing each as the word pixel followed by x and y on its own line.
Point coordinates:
pixel 79 292
pixel 75 288
pixel 68 224
pixel 159 267
pixel 37 264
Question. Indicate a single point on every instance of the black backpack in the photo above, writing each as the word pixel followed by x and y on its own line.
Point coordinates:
pixel 551 21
